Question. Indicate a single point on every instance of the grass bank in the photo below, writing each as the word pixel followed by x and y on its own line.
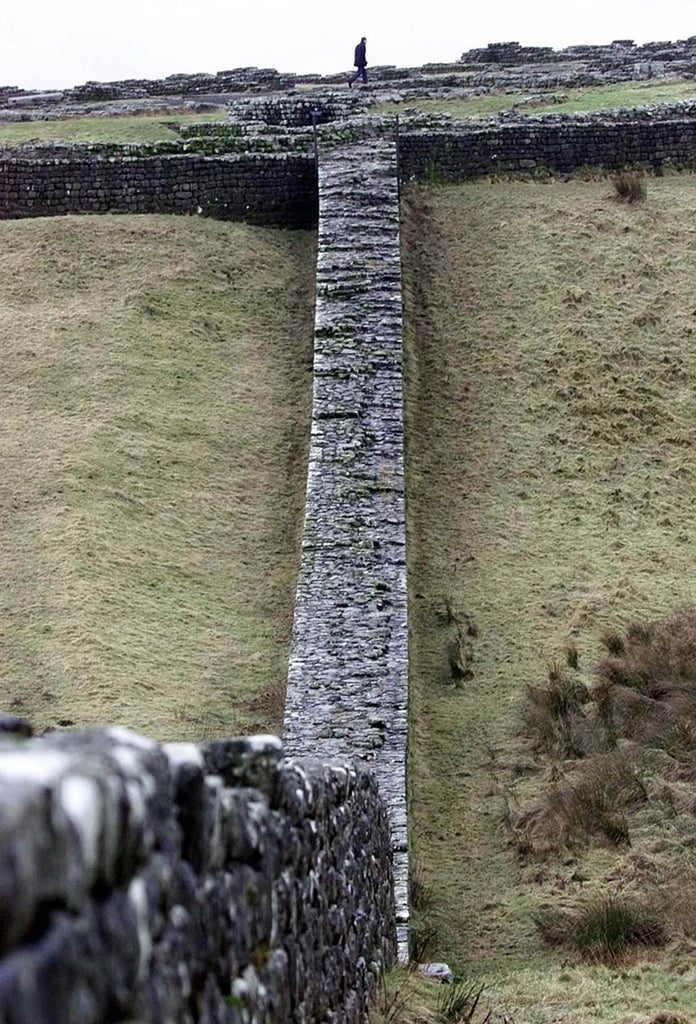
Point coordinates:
pixel 131 128
pixel 598 97
pixel 550 423
pixel 155 415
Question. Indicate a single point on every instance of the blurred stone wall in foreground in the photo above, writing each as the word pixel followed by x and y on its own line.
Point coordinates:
pixel 182 884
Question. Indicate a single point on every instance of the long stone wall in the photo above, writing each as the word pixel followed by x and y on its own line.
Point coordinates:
pixel 233 81
pixel 186 885
pixel 274 190
pixel 619 53
pixel 562 147
pixel 282 189
pixel 347 681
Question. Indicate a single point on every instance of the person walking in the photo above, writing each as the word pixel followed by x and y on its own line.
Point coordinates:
pixel 360 63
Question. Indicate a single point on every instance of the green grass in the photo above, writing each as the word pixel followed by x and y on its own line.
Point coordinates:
pixel 599 97
pixel 145 128
pixel 155 415
pixel 550 419
pixel 591 995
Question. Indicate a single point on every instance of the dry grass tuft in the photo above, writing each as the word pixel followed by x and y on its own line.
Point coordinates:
pixel 420 894
pixel 460 1003
pixel 553 716
pixel 648 688
pixel 460 655
pixel 612 640
pixel 630 187
pixel 603 930
pixel 422 935
pixel 590 802
pixel 395 994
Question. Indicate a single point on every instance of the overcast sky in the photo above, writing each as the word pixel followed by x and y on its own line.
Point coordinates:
pixel 49 43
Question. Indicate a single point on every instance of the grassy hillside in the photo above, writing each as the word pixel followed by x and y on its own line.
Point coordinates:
pixel 550 422
pixel 156 394
pixel 599 97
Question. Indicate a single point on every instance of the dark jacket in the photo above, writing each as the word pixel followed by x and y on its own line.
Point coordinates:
pixel 360 60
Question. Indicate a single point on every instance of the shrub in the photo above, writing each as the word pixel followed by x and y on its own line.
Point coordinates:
pixel 647 687
pixel 553 716
pixel 604 929
pixel 590 804
pixel 459 1002
pixel 630 187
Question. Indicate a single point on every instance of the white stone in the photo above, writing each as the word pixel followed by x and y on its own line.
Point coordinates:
pixel 82 802
pixel 42 767
pixel 137 894
pixel 133 739
pixel 183 753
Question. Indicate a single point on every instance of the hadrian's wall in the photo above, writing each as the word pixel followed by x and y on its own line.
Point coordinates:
pixel 561 147
pixel 273 190
pixel 620 52
pixel 221 885
pixel 347 694
pixel 184 885
pixel 282 189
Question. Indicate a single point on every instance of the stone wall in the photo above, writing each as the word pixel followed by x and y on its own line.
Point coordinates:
pixel 347 693
pixel 560 147
pixel 510 66
pixel 293 111
pixel 233 81
pixel 620 52
pixel 186 885
pixel 275 190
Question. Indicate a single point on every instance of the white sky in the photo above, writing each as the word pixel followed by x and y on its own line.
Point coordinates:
pixel 59 43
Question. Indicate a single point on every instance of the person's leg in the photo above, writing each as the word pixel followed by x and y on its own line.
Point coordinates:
pixel 354 78
pixel 363 70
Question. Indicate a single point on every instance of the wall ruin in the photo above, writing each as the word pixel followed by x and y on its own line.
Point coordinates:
pixel 179 884
pixel 274 190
